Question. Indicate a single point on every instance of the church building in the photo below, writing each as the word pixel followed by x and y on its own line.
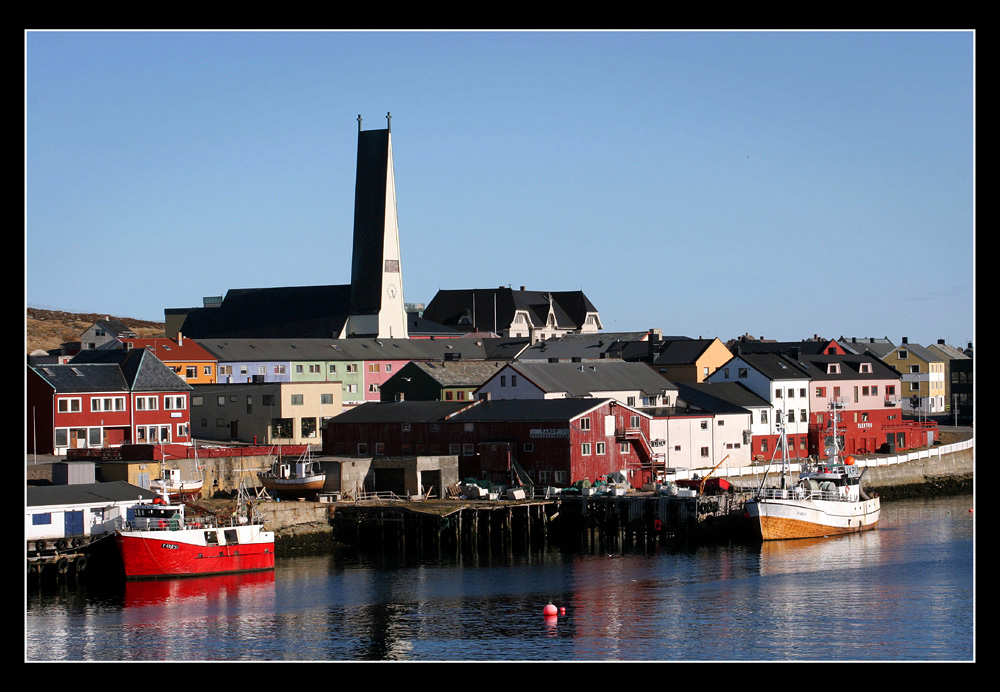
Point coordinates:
pixel 370 306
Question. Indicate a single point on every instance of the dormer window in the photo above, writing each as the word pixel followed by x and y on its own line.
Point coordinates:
pixel 833 369
pixel 866 368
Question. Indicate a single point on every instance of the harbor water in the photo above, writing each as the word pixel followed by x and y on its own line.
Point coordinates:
pixel 904 592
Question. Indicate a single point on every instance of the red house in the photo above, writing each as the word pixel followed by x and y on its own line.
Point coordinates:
pixel 553 441
pixel 106 399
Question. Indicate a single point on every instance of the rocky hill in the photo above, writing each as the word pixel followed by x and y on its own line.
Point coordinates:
pixel 48 329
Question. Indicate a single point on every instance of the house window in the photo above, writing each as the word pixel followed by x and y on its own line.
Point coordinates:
pixel 373 367
pixel 267 399
pixel 560 477
pixel 190 372
pixel 585 423
pixel 623 447
pixel 453 448
pixel 634 421
pixel 261 369
pixel 821 392
pixel 585 449
pixel 296 399
pixel 207 370
pixel 529 447
pixel 373 387
pixel 333 368
pixel 704 452
pixel 388 367
pixel 704 425
pixel 544 476
pixel 460 396
pixel 468 449
pixel 362 448
pixel 763 416
pixel 279 369
pixel 742 373
pixel 630 401
pixel 298 369
pixel 351 388
pixel 308 427
pixel 225 369
pixel 380 449
pixel 326 399
pixel 69 406
pixel 599 449
pixel 448 395
pixel 503 380
pixel 513 380
pixel 351 367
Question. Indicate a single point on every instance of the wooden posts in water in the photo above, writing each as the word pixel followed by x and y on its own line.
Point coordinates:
pixel 599 522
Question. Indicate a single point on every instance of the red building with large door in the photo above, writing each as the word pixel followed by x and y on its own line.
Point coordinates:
pixel 553 441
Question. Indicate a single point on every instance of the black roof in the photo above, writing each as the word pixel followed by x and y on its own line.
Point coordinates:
pixel 141 369
pixel 282 312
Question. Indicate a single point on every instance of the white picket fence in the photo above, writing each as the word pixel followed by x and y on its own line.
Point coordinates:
pixel 795 467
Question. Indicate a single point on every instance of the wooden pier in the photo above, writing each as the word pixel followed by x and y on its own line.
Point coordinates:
pixel 597 521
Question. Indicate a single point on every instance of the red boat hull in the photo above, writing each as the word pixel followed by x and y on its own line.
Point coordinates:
pixel 164 554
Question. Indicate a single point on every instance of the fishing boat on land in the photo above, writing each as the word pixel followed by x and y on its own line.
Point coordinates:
pixel 176 489
pixel 302 478
pixel 161 541
pixel 827 500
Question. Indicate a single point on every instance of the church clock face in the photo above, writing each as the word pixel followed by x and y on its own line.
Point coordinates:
pixel 391 290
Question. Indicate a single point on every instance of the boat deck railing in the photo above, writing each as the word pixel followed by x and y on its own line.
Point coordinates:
pixel 800 494
pixel 175 523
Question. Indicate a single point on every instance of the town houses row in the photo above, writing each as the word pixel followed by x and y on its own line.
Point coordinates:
pixel 558 410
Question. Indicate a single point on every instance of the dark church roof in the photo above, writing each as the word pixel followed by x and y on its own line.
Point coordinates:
pixel 292 312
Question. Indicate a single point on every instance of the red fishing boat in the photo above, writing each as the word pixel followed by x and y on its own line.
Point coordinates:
pixel 160 541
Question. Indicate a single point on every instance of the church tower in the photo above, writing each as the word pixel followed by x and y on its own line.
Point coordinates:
pixel 377 308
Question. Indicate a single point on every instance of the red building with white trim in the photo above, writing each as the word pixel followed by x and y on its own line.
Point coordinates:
pixel 109 399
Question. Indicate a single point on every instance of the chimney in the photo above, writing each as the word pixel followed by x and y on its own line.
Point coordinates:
pixel 522 288
pixel 180 339
pixel 400 396
pixel 941 341
pixel 906 340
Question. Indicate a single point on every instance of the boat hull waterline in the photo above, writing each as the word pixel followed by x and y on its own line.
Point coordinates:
pixel 780 519
pixel 189 552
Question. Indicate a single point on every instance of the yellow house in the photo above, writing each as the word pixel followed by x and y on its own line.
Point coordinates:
pixel 689 360
pixel 923 375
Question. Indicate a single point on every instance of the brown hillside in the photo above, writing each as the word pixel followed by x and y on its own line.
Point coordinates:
pixel 48 329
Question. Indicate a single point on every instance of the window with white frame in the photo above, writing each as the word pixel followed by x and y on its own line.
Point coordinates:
pixel 69 405
pixel 585 449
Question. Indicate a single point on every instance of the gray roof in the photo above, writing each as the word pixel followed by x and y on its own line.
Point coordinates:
pixel 581 346
pixel 775 366
pixel 249 350
pixel 948 352
pixel 850 367
pixel 528 410
pixel 585 379
pixel 920 352
pixel 85 493
pixel 456 373
pixel 82 378
pixel 722 397
pixel 400 412
pixel 861 345
pixel 142 370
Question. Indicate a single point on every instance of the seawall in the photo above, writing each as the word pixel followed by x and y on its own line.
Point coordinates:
pixel 934 474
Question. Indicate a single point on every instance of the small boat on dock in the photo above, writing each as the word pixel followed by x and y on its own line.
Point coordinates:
pixel 291 480
pixel 161 541
pixel 176 489
pixel 827 500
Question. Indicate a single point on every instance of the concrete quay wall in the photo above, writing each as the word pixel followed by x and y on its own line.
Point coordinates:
pixel 928 475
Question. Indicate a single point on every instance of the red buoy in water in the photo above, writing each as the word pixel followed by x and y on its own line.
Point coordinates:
pixel 549 610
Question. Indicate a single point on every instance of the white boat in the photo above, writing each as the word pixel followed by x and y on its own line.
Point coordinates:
pixel 827 500
pixel 302 478
pixel 176 489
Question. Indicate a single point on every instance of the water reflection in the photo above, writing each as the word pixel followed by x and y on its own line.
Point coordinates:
pixel 902 592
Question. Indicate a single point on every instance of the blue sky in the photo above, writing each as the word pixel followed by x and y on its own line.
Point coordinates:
pixel 783 184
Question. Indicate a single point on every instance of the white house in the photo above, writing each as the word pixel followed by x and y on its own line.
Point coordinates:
pixel 72 514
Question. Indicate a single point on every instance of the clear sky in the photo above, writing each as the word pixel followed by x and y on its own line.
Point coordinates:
pixel 709 184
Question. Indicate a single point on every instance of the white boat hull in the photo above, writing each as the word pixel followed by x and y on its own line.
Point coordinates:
pixel 779 519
